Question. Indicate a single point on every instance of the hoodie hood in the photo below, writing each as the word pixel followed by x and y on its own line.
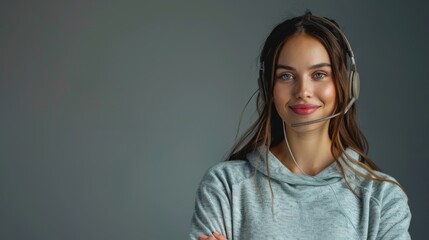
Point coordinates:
pixel 280 172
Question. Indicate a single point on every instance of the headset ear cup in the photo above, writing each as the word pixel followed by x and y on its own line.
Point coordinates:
pixel 354 85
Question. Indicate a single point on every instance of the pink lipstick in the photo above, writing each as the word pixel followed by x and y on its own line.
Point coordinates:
pixel 304 109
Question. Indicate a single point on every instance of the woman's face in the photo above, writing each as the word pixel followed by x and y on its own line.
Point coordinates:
pixel 304 88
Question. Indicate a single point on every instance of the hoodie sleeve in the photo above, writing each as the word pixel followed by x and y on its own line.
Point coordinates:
pixel 395 216
pixel 212 208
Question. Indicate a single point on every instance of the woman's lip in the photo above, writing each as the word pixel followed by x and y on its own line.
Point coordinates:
pixel 304 109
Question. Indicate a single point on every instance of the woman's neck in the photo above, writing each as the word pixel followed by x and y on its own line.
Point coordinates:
pixel 312 151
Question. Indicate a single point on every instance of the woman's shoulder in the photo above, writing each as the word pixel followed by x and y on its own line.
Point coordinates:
pixel 383 190
pixel 226 173
pixel 379 185
pixel 389 188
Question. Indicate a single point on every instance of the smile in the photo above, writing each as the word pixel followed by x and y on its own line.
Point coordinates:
pixel 304 109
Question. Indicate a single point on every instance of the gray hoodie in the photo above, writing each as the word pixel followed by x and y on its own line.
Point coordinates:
pixel 234 199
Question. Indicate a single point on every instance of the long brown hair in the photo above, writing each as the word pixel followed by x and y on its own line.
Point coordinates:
pixel 343 130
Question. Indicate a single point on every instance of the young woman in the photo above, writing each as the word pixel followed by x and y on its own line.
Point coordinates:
pixel 301 171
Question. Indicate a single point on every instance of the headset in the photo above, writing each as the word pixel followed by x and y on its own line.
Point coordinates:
pixel 353 76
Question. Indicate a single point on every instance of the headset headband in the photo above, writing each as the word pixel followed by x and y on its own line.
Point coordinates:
pixel 349 47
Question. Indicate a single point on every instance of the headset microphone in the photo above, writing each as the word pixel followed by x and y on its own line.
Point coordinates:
pixel 314 121
pixel 325 118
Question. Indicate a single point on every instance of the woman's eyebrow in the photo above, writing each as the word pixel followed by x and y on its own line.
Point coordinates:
pixel 280 66
pixel 319 65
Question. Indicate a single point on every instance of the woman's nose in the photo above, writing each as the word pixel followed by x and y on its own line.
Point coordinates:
pixel 303 88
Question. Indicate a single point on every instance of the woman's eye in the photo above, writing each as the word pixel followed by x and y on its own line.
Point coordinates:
pixel 286 76
pixel 319 75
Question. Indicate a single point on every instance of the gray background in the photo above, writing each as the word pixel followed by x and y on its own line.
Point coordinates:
pixel 111 111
